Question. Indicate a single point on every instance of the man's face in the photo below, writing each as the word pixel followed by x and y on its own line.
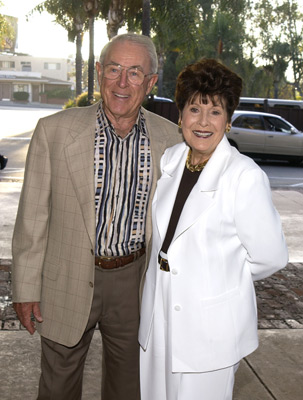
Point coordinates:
pixel 121 98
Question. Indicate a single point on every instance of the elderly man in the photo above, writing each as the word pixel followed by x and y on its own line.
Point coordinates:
pixel 81 229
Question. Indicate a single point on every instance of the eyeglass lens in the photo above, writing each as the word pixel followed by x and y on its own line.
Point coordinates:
pixel 134 75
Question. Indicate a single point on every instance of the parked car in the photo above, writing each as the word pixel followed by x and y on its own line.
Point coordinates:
pixel 266 136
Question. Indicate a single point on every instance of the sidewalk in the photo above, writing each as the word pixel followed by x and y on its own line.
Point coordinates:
pixel 273 372
pixel 29 105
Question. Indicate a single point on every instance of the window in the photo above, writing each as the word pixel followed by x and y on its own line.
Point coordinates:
pixel 26 66
pixel 52 66
pixel 249 122
pixel 21 88
pixel 7 64
pixel 276 124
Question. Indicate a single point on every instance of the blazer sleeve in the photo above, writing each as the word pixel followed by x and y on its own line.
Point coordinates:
pixel 258 225
pixel 31 227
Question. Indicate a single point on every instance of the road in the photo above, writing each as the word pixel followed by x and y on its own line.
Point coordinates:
pixel 17 126
pixel 282 175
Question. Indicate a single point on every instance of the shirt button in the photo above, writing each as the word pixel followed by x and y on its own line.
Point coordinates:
pixel 91 284
pixel 174 271
pixel 177 308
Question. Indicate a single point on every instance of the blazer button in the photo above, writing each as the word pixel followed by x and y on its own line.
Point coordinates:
pixel 177 308
pixel 174 271
pixel 91 284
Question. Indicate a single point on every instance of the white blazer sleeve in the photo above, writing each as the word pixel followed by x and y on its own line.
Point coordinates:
pixel 259 225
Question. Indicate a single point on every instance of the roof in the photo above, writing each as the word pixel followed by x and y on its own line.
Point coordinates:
pixel 34 78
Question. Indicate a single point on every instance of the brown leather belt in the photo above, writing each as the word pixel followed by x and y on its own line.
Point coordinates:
pixel 117 262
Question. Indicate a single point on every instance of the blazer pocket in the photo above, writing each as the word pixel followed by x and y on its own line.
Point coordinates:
pixel 222 298
pixel 50 271
pixel 220 322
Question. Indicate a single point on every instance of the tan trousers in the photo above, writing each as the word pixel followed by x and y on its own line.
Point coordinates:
pixel 115 308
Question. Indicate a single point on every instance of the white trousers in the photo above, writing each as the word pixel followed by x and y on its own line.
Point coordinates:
pixel 158 382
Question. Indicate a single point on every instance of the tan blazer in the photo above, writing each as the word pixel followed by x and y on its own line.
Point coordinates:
pixel 54 236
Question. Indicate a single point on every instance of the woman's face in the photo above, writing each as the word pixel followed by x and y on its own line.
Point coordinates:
pixel 203 127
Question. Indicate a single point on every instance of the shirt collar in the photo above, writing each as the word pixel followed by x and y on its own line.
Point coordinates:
pixel 104 122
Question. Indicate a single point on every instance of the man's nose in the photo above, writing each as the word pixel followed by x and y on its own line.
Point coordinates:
pixel 122 80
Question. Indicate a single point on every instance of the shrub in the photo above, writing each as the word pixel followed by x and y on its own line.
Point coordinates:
pixel 21 96
pixel 81 100
pixel 69 104
pixel 63 93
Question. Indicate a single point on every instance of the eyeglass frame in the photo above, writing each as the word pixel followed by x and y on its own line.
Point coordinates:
pixel 123 67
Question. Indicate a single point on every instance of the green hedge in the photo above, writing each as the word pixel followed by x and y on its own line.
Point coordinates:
pixel 64 93
pixel 21 96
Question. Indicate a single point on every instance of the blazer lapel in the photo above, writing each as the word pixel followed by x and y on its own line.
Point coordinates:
pixel 202 195
pixel 167 188
pixel 159 142
pixel 80 160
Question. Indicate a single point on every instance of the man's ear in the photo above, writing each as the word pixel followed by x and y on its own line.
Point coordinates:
pixel 151 83
pixel 99 72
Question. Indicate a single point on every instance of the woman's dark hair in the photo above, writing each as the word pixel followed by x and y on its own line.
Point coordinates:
pixel 208 78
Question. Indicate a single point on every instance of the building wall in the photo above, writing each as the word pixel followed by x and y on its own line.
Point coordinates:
pixel 33 75
pixel 56 68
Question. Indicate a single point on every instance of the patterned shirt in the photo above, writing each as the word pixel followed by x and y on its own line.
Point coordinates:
pixel 122 186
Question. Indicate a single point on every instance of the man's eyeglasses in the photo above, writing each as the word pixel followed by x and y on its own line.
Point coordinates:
pixel 134 74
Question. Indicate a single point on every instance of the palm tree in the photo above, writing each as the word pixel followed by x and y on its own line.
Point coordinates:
pixel 146 18
pixel 71 15
pixel 91 8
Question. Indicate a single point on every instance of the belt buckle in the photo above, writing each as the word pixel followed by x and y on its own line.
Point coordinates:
pixel 105 258
pixel 163 264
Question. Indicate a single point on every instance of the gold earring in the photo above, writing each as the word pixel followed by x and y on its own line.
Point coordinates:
pixel 179 123
pixel 228 126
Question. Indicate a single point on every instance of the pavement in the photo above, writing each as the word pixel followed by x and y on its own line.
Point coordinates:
pixel 273 372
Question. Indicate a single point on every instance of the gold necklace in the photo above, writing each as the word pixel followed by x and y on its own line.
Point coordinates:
pixel 191 167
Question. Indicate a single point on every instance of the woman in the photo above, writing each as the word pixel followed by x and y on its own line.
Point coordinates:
pixel 215 231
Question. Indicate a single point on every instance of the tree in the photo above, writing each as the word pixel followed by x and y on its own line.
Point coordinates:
pixel 280 43
pixel 146 17
pixel 118 12
pixel 6 31
pixel 290 14
pixel 70 14
pixel 91 8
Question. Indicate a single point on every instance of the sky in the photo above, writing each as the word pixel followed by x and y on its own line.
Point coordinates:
pixel 41 37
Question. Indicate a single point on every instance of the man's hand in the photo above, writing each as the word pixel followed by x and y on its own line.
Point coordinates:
pixel 25 311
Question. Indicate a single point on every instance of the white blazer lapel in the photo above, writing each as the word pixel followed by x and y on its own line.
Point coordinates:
pixel 203 193
pixel 196 204
pixel 167 188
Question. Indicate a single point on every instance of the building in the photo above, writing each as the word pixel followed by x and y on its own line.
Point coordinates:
pixel 34 79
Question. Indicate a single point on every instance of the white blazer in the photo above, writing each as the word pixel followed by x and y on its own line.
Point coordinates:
pixel 229 234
